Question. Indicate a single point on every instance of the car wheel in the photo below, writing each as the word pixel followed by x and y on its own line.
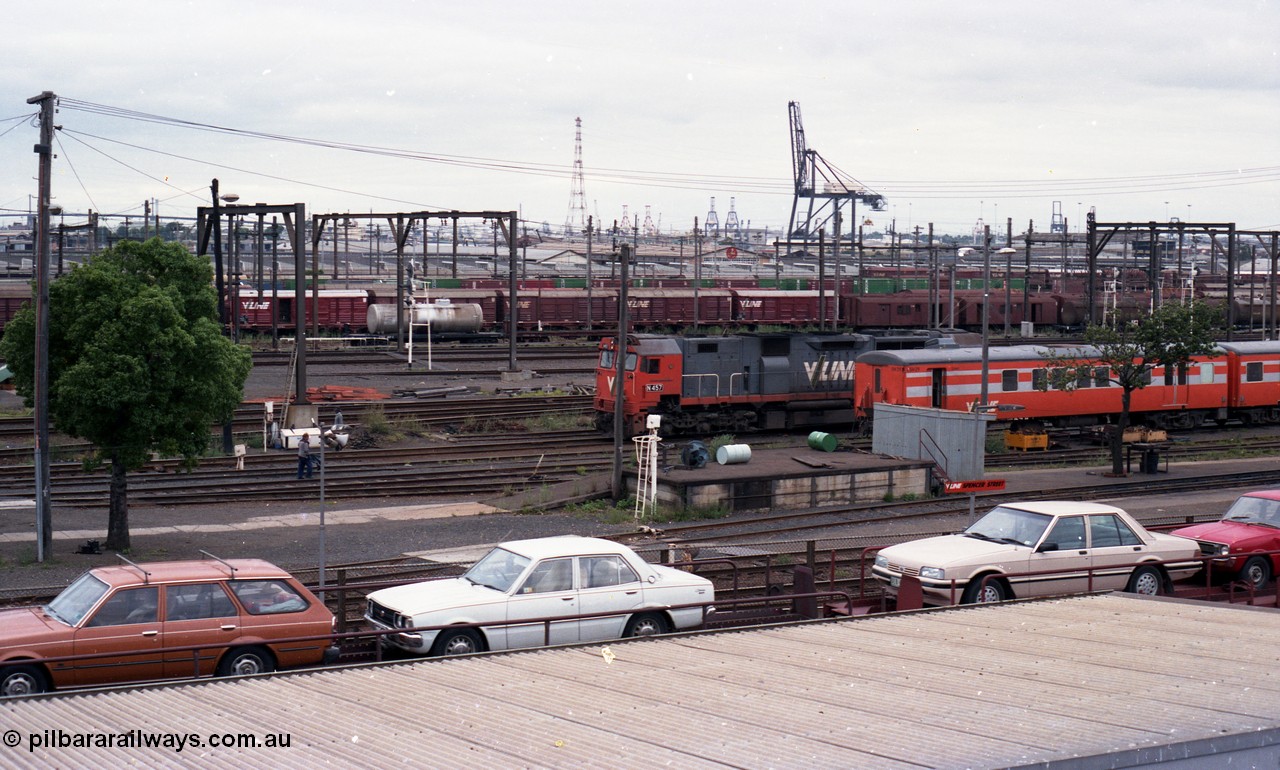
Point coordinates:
pixel 22 680
pixel 979 592
pixel 646 625
pixel 1146 581
pixel 1256 572
pixel 462 641
pixel 245 661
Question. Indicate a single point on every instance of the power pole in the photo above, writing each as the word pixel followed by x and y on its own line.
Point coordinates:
pixel 590 228
pixel 619 374
pixel 44 149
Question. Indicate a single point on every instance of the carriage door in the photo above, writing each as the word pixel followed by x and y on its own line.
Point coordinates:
pixel 938 388
pixel 1176 385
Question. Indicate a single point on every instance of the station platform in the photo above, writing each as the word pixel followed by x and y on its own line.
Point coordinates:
pixel 792 477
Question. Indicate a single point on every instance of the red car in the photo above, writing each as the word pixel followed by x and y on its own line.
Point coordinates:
pixel 148 614
pixel 1250 528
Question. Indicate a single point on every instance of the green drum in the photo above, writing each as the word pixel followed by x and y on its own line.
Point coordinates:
pixel 824 442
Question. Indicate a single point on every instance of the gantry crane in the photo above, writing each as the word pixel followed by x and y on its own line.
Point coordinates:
pixel 824 188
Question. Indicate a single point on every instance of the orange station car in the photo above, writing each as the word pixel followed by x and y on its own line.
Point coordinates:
pixel 147 612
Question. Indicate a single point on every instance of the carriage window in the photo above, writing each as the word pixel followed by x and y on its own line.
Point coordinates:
pixel 606 359
pixel 904 310
pixel 1040 379
pixel 1206 374
pixel 1009 379
pixel 1059 379
pixel 650 365
pixel 630 365
pixel 1102 377
pixel 1146 377
pixel 1083 380
pixel 1253 371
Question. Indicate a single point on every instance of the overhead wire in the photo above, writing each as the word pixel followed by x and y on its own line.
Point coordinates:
pixel 66 156
pixel 924 189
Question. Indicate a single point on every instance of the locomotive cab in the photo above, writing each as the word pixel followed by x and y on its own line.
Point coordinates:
pixel 651 375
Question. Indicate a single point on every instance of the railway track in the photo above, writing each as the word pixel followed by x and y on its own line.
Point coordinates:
pixel 436 412
pixel 463 466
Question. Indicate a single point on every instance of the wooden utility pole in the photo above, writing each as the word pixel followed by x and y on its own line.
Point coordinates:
pixel 44 149
pixel 619 374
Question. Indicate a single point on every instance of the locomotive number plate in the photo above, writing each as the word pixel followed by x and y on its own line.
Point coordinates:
pixel 654 388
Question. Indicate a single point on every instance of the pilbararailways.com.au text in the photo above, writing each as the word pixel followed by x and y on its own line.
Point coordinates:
pixel 142 739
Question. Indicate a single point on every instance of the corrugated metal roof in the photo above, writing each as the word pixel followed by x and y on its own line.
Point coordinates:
pixel 978 686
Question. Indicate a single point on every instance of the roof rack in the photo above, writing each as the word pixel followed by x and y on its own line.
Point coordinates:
pixel 221 561
pixel 146 576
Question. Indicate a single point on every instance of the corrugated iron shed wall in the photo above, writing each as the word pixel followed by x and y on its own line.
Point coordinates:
pixel 991 686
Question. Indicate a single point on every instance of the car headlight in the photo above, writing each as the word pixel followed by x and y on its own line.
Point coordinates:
pixel 933 573
pixel 403 621
pixel 1223 550
pixel 882 561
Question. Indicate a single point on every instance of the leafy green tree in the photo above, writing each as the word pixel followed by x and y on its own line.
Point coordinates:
pixel 1127 354
pixel 138 363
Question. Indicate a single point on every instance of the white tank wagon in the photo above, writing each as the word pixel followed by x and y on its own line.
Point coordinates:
pixel 444 317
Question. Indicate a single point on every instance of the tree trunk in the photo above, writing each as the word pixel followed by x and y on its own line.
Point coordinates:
pixel 1117 440
pixel 118 509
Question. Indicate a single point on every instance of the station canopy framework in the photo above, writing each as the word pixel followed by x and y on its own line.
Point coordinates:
pixel 1099 234
pixel 401 224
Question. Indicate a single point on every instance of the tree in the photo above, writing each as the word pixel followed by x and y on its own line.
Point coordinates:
pixel 138 363
pixel 1127 354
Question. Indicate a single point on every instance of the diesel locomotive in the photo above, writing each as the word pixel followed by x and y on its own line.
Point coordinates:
pixel 738 383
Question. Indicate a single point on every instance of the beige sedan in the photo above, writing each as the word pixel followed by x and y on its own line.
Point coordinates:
pixel 1079 547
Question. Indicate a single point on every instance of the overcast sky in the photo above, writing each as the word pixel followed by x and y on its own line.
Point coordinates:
pixel 955 111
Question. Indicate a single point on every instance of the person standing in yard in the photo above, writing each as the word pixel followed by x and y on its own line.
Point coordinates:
pixel 304 456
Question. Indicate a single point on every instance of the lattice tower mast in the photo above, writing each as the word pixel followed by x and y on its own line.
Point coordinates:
pixel 577 219
pixel 712 226
pixel 648 226
pixel 732 226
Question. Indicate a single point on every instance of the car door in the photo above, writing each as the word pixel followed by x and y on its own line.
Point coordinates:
pixel 1114 548
pixel 1063 548
pixel 278 608
pixel 195 614
pixel 127 621
pixel 606 584
pixel 547 591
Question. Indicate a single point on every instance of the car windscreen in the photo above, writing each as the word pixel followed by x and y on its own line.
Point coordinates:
pixel 1255 510
pixel 1010 525
pixel 77 599
pixel 498 569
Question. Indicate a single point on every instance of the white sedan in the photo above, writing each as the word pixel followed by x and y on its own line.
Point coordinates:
pixel 1067 540
pixel 550 577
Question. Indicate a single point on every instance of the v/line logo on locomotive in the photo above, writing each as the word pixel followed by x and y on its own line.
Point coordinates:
pixel 829 371
pixel 739 383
